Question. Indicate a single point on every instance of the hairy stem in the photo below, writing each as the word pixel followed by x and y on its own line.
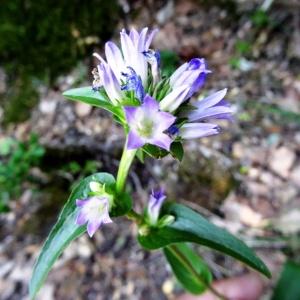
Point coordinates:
pixel 189 266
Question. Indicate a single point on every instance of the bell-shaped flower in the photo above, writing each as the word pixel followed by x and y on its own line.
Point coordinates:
pixel 192 74
pixel 110 83
pixel 133 45
pixel 211 107
pixel 155 202
pixel 111 72
pixel 147 124
pixel 94 211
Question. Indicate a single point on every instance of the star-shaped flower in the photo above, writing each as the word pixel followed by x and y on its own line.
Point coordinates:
pixel 94 212
pixel 148 125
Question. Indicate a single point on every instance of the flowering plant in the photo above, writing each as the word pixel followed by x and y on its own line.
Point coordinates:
pixel 157 115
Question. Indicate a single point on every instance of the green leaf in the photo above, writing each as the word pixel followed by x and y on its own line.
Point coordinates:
pixel 64 231
pixel 177 150
pixel 122 205
pixel 190 270
pixel 94 98
pixel 140 155
pixel 190 226
pixel 288 287
pixel 154 151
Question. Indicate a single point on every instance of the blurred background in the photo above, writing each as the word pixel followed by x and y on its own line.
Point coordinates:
pixel 246 180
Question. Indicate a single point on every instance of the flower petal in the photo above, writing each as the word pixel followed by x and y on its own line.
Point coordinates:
pixel 133 58
pixel 81 218
pixel 211 100
pixel 209 113
pixel 161 140
pixel 142 40
pixel 134 35
pixel 134 141
pixel 130 113
pixel 150 104
pixel 197 130
pixel 165 120
pixel 173 100
pixel 114 59
pixel 178 73
pixel 150 38
pixel 110 83
pixel 93 226
pixel 80 202
pixel 155 202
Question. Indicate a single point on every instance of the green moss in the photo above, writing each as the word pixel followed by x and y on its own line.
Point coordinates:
pixel 45 39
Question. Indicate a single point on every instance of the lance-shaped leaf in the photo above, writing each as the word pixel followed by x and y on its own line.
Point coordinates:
pixel 64 231
pixel 190 226
pixel 94 98
pixel 190 270
pixel 287 287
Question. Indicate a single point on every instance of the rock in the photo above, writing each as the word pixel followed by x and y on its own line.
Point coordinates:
pixel 286 193
pixel 168 287
pixel 281 160
pixel 295 176
pixel 47 106
pixel 5 268
pixel 165 13
pixel 288 223
pixel 84 247
pixel 21 273
pixel 257 188
pixel 46 292
pixel 239 212
pixel 82 110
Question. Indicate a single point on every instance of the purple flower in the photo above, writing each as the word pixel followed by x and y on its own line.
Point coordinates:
pixel 110 83
pixel 110 73
pixel 147 125
pixel 94 212
pixel 134 83
pixel 192 74
pixel 198 130
pixel 153 58
pixel 174 99
pixel 133 45
pixel 155 202
pixel 211 107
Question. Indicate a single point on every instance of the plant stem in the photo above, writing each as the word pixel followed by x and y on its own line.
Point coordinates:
pixel 125 163
pixel 189 266
pixel 134 216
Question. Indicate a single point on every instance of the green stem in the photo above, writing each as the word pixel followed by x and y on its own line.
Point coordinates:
pixel 189 266
pixel 125 163
pixel 134 216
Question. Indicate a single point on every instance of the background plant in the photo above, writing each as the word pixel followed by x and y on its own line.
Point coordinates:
pixel 16 160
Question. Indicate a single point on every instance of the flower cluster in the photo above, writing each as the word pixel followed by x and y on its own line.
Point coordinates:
pixel 157 109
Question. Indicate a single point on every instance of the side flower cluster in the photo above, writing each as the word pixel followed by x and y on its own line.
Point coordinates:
pixel 159 111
